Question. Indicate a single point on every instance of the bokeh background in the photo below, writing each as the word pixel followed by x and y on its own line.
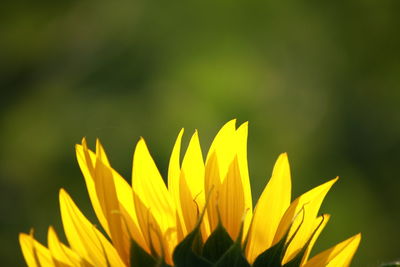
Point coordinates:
pixel 317 80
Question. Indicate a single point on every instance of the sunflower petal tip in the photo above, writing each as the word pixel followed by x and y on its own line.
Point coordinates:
pixel 231 122
pixel 22 235
pixel 140 143
pixel 358 236
pixel 331 182
pixel 244 124
pixel 99 146
pixel 82 145
pixel 78 147
pixel 32 231
pixel 62 192
pixel 84 142
pixel 284 155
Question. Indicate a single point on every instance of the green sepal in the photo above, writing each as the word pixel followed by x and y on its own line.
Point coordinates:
pixel 139 257
pixel 233 257
pixel 188 251
pixel 272 257
pixel 217 244
pixel 296 261
pixel 184 254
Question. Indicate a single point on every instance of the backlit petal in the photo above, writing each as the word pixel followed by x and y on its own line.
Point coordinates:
pixel 98 176
pixel 35 254
pixel 152 233
pixel 87 160
pixel 219 158
pixel 270 208
pixel 319 225
pixel 60 252
pixel 150 188
pixel 84 238
pixel 107 195
pixel 241 136
pixel 310 202
pixel 224 145
pixel 231 200
pixel 192 181
pixel 212 186
pixel 339 255
pixel 190 211
pixel 174 170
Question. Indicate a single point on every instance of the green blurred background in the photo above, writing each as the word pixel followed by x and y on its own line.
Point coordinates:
pixel 317 80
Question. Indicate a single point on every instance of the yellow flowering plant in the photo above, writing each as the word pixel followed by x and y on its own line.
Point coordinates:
pixel 204 216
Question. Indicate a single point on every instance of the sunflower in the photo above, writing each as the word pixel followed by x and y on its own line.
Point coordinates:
pixel 203 217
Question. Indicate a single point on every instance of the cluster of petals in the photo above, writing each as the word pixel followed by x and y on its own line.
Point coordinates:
pixel 159 216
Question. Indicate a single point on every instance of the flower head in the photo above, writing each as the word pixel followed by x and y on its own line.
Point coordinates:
pixel 204 217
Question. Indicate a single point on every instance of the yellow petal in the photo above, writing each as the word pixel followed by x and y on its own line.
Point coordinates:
pixel 86 160
pixel 212 186
pixel 26 243
pixel 174 169
pixel 231 202
pixel 193 166
pixel 113 182
pixel 224 145
pixel 241 136
pixel 310 203
pixel 192 182
pixel 84 238
pixel 107 195
pixel 101 153
pixel 190 210
pixel 339 255
pixel 179 227
pixel 151 231
pixel 220 155
pixel 149 187
pixel 127 209
pixel 319 225
pixel 35 254
pixel 270 208
pixel 227 145
pixel 60 252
